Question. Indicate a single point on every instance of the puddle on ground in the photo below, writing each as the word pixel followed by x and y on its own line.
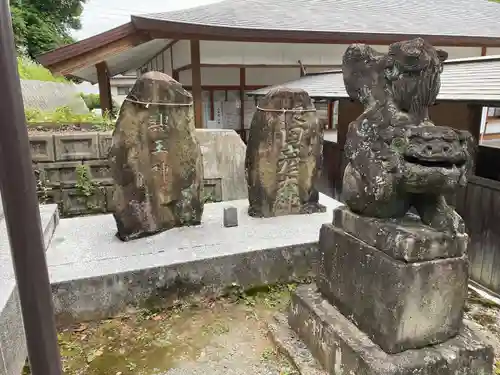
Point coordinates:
pixel 224 335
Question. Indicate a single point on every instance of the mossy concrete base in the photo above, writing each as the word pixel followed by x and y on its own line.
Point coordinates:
pixel 342 349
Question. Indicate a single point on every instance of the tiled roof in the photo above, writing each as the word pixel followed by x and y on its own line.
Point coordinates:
pixel 479 18
pixel 472 79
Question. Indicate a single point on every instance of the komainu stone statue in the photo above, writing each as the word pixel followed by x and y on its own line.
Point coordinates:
pixel 391 285
pixel 155 159
pixel 284 155
pixel 397 158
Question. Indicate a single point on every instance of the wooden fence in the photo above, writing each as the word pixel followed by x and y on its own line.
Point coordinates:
pixel 479 205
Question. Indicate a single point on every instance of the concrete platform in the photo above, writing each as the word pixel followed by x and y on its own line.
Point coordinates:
pixel 12 342
pixel 96 275
pixel 341 348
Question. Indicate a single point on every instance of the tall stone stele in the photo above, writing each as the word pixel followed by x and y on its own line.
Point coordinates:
pixel 155 159
pixel 391 286
pixel 284 155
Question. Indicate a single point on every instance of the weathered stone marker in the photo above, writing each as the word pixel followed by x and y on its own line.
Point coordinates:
pixel 391 286
pixel 230 217
pixel 284 155
pixel 156 160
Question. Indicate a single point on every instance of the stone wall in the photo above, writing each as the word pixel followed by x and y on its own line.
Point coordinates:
pixel 72 169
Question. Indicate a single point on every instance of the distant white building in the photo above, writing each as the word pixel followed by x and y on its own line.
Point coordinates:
pixel 121 85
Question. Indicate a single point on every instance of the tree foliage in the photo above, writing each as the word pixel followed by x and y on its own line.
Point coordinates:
pixel 93 101
pixel 42 25
pixel 30 70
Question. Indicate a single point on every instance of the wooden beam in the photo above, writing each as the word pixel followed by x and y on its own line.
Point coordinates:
pixel 159 29
pixel 196 83
pixel 104 87
pixel 172 60
pixel 96 56
pixel 242 99
pixel 225 87
pixel 300 66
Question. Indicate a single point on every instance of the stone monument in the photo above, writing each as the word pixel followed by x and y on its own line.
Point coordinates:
pixel 155 159
pixel 391 285
pixel 284 155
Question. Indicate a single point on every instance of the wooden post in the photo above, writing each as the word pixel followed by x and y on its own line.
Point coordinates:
pixel 104 87
pixel 330 115
pixel 212 109
pixel 22 217
pixel 242 102
pixel 196 83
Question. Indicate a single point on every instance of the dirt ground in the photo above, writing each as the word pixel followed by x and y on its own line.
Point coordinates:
pixel 223 337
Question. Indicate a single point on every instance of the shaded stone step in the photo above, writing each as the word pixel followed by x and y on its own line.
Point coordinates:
pixel 290 345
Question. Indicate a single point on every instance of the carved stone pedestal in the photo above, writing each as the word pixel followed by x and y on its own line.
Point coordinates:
pixel 389 299
pixel 402 283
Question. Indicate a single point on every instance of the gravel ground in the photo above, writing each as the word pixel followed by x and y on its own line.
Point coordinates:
pixel 244 349
pixel 223 337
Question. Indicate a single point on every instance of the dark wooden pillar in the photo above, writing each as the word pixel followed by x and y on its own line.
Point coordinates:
pixel 212 109
pixel 330 114
pixel 104 87
pixel 22 218
pixel 196 83
pixel 242 101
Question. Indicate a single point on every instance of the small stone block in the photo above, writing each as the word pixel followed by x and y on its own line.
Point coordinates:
pixel 105 140
pixel 42 147
pixel 342 348
pixel 59 174
pixel 406 239
pixel 76 146
pixel 74 203
pixel 399 305
pixel 100 171
pixel 230 217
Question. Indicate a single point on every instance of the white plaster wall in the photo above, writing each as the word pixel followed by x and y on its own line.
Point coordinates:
pixel 493 51
pixel 245 53
pixel 185 77
pixel 181 53
pixel 212 76
pixel 213 52
pixel 462 52
pixel 270 76
pixel 167 61
pixel 254 76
